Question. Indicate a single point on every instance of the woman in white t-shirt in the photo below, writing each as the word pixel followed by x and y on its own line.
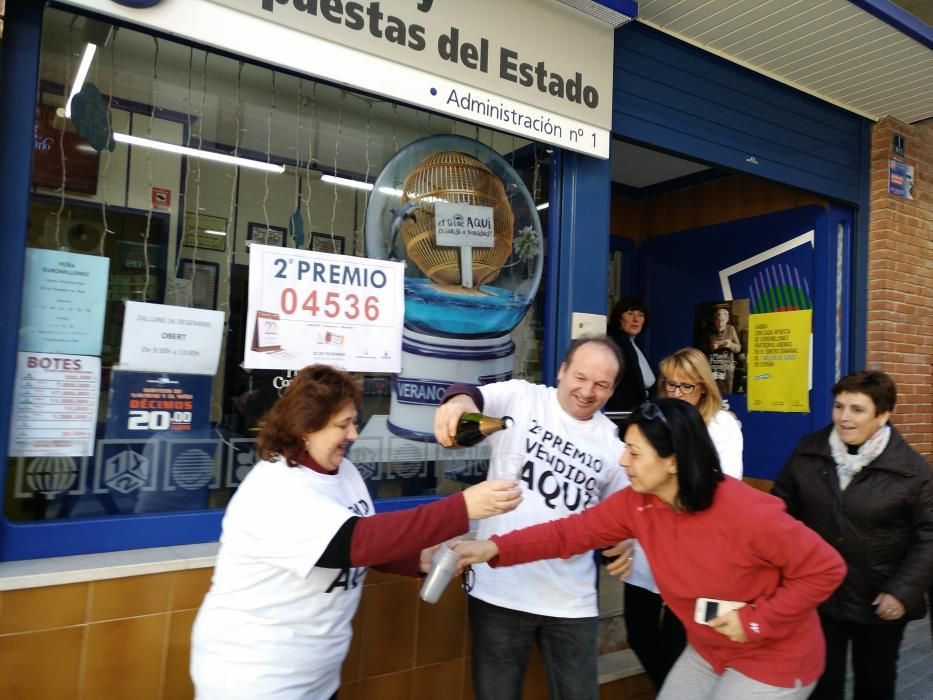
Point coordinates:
pixel 656 635
pixel 297 539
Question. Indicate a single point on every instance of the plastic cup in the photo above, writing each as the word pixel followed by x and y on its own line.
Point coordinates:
pixel 443 568
pixel 505 466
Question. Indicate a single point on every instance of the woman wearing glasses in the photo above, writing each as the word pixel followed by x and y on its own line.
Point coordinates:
pixel 656 636
pixel 297 539
pixel 708 536
pixel 686 375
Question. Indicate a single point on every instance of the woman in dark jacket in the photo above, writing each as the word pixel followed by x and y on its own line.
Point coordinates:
pixel 870 495
pixel 629 317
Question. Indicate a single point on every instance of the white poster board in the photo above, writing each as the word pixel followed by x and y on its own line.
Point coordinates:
pixel 464 226
pixel 64 300
pixel 54 405
pixel 163 338
pixel 307 307
pixel 480 64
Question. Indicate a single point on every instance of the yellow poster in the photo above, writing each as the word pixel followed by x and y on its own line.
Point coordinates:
pixel 779 361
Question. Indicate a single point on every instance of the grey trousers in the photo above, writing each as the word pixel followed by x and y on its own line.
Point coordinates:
pixel 692 678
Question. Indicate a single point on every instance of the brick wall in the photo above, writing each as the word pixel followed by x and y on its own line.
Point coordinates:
pixel 900 278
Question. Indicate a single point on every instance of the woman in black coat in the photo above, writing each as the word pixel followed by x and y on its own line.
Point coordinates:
pixel 869 494
pixel 629 317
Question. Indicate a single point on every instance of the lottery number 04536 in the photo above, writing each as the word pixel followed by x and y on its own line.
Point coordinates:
pixel 332 305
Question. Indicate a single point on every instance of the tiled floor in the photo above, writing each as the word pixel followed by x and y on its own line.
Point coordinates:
pixel 915 666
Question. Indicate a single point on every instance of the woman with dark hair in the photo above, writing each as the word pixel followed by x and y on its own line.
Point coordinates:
pixel 297 538
pixel 870 495
pixel 628 319
pixel 708 536
pixel 656 636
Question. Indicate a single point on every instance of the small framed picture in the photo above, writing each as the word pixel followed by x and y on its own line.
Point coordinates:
pixel 203 278
pixel 205 232
pixel 132 257
pixel 326 243
pixel 265 235
pixel 720 330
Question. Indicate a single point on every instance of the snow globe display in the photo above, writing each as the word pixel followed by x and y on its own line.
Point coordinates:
pixel 465 225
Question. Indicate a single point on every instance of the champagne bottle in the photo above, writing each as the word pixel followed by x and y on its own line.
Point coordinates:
pixel 474 427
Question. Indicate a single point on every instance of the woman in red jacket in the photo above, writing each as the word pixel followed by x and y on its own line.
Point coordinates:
pixel 707 536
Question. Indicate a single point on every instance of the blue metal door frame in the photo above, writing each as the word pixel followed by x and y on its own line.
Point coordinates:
pixel 578 249
pixel 19 75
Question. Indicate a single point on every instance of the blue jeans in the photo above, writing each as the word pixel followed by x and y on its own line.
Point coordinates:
pixel 502 641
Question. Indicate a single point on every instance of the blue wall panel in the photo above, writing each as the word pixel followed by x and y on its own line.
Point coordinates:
pixel 582 250
pixel 19 72
pixel 680 98
pixel 683 269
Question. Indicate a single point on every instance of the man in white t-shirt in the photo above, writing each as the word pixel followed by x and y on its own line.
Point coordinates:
pixel 571 461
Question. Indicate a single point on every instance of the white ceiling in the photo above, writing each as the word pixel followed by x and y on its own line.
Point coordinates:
pixel 752 28
pixel 640 167
pixel 829 48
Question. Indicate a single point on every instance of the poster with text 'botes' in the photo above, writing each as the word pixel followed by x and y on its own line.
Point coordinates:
pixel 307 307
pixel 55 405
pixel 779 361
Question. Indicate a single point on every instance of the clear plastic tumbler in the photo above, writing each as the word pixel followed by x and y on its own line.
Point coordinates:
pixel 505 466
pixel 443 568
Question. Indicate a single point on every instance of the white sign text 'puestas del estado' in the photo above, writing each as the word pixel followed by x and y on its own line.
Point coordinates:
pixel 535 68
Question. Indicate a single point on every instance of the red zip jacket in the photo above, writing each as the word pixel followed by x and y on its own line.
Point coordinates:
pixel 744 547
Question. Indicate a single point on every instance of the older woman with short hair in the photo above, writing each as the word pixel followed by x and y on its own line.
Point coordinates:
pixel 860 486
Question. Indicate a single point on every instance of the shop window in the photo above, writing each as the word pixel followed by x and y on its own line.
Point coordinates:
pixel 115 218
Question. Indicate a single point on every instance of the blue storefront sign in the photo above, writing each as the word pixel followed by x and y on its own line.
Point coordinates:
pixel 144 404
pixel 160 453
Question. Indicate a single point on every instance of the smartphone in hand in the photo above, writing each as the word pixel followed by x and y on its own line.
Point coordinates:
pixel 710 608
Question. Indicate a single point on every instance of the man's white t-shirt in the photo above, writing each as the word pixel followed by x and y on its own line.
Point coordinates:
pixel 273 624
pixel 570 465
pixel 726 435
